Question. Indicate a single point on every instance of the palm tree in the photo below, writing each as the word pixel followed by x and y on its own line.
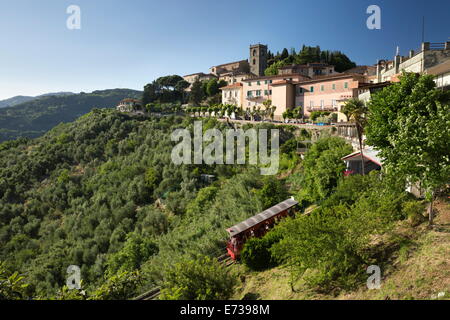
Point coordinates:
pixel 355 110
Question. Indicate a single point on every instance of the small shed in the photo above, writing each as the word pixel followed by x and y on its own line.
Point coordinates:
pixel 354 164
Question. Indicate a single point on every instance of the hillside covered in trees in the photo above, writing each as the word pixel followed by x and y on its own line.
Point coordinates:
pixel 35 117
pixel 103 193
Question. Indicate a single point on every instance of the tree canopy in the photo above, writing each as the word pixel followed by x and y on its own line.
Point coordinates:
pixel 409 123
pixel 308 55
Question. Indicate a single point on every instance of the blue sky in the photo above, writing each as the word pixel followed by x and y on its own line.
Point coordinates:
pixel 126 44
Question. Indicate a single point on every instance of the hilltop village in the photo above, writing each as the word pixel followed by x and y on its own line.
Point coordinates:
pixel 318 86
pixel 299 90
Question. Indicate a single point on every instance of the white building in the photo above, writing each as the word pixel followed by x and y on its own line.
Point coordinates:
pixel 433 58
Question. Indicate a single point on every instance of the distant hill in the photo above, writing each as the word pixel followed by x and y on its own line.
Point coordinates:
pixel 11 102
pixel 14 101
pixel 34 117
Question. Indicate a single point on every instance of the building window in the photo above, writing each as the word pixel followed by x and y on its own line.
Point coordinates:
pixel 249 93
pixel 270 92
pixel 333 102
pixel 258 93
pixel 249 84
pixel 266 92
pixel 345 85
pixel 265 81
pixel 334 86
pixel 311 89
pixel 322 88
pixel 254 61
pixel 311 104
pixel 258 83
pixel 270 81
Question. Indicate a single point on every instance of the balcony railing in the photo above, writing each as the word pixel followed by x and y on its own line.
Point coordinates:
pixel 325 108
pixel 252 97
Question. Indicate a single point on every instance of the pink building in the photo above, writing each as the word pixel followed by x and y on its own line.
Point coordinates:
pixel 256 90
pixel 325 93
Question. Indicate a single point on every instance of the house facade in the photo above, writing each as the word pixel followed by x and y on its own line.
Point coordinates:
pixel 310 70
pixel 326 93
pixel 432 58
pixel 200 76
pixel 259 89
pixel 233 94
pixel 237 66
pixel 130 105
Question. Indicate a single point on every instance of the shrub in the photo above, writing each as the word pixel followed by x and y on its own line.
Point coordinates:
pixel 197 279
pixel 413 211
pixel 256 253
pixel 328 248
pixel 323 167
pixel 118 287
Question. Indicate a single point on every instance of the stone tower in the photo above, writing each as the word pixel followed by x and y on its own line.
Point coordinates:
pixel 258 59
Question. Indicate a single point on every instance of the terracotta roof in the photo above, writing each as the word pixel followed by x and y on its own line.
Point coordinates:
pixel 225 64
pixel 331 77
pixel 130 100
pixel 309 65
pixel 281 82
pixel 276 77
pixel 234 85
pixel 193 74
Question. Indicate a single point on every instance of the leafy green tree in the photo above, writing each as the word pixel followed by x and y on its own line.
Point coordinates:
pixel 323 167
pixel 288 114
pixel 135 251
pixel 256 253
pixel 271 192
pixel 197 93
pixel 408 123
pixel 121 286
pixel 309 55
pixel 12 285
pixel 202 278
pixel 297 113
pixel 284 54
pixel 222 83
pixel 212 87
pixel 356 112
pixel 149 95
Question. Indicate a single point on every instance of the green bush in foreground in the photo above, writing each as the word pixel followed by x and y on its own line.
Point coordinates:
pixel 197 279
pixel 256 253
pixel 329 248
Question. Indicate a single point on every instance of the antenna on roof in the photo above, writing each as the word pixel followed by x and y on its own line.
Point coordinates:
pixel 423 29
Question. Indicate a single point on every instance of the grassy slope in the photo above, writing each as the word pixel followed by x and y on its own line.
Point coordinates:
pixel 419 270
